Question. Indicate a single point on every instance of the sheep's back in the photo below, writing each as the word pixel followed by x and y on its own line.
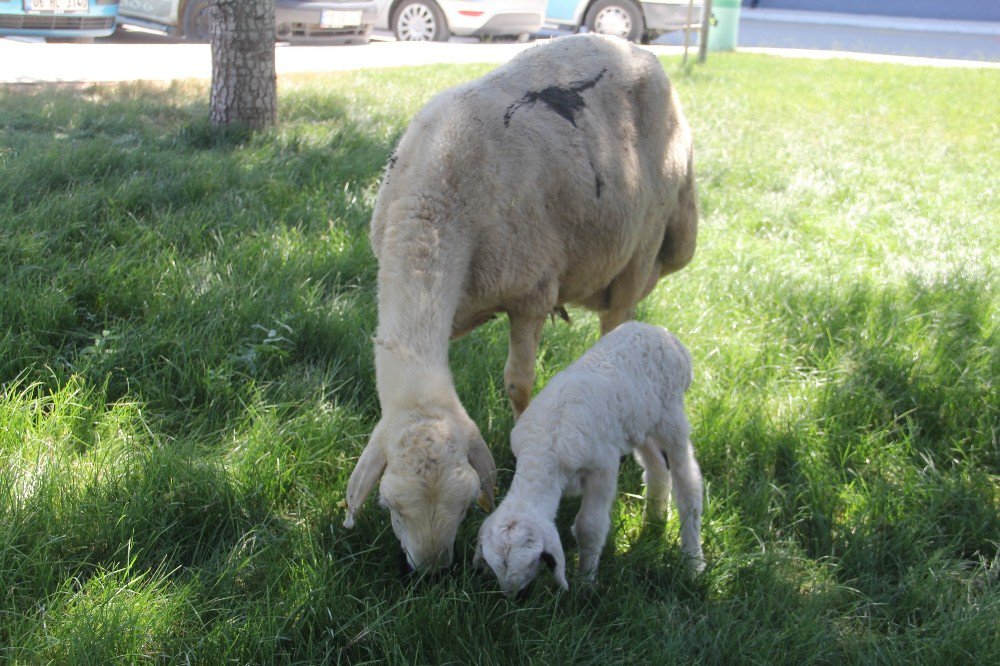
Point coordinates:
pixel 559 165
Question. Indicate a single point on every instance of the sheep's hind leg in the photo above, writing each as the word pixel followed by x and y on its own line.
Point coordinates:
pixel 687 487
pixel 656 477
pixel 628 288
pixel 594 518
pixel 519 373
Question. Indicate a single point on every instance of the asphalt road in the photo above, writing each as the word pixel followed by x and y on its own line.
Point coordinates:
pixel 885 35
pixel 869 40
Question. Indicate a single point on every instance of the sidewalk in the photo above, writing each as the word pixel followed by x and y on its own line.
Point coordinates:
pixel 870 21
pixel 37 62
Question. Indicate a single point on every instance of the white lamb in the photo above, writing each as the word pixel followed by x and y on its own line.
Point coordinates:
pixel 625 394
pixel 562 177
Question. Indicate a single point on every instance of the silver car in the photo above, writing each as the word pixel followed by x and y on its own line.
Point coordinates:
pixel 295 20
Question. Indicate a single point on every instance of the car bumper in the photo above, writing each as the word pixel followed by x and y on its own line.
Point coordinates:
pixel 481 18
pixel 308 21
pixel 662 16
pixel 57 25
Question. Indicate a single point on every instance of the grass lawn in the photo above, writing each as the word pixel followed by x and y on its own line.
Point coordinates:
pixel 187 380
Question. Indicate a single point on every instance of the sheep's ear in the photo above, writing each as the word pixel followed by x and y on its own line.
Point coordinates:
pixel 366 474
pixel 482 461
pixel 552 555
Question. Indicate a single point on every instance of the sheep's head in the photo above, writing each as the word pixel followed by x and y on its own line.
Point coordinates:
pixel 515 546
pixel 431 470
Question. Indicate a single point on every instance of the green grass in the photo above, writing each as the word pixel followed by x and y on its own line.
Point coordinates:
pixel 185 354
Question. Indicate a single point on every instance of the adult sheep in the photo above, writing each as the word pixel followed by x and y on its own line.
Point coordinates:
pixel 562 177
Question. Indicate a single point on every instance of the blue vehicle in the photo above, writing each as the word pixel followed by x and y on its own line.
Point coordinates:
pixel 59 20
pixel 634 20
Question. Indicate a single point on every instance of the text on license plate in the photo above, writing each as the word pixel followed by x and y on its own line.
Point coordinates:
pixel 330 18
pixel 56 5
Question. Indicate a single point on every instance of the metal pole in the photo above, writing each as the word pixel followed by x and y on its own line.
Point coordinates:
pixel 687 31
pixel 706 18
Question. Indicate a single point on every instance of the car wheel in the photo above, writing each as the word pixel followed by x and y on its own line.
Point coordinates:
pixel 198 21
pixel 621 18
pixel 420 21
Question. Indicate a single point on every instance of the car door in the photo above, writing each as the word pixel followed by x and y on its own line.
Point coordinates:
pixel 564 11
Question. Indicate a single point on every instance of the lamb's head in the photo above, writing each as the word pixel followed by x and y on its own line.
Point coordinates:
pixel 515 545
pixel 431 470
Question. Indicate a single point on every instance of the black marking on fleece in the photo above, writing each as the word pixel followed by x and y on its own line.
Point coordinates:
pixel 567 102
pixel 598 183
pixel 389 166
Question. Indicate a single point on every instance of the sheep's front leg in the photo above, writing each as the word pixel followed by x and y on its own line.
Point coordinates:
pixel 594 519
pixel 519 373
pixel 656 477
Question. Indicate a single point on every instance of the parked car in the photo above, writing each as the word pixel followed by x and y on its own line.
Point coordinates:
pixel 437 20
pixel 295 20
pixel 635 20
pixel 59 20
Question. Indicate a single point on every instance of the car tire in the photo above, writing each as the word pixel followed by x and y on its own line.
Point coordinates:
pixel 621 18
pixel 197 22
pixel 420 21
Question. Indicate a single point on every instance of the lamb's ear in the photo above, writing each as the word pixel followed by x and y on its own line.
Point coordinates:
pixel 366 474
pixel 482 461
pixel 552 555
pixel 478 561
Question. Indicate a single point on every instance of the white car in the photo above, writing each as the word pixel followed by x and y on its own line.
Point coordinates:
pixel 295 20
pixel 437 20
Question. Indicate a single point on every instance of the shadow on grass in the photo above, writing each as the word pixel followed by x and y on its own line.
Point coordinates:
pixel 178 249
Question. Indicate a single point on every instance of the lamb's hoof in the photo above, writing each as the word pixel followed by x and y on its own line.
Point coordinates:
pixel 696 564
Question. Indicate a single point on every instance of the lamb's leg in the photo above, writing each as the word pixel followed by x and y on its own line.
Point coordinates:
pixel 656 477
pixel 594 519
pixel 687 486
pixel 519 373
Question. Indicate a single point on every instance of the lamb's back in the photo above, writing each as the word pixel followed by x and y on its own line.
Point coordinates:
pixel 620 387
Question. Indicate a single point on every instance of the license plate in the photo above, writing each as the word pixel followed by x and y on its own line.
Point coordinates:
pixel 56 5
pixel 330 18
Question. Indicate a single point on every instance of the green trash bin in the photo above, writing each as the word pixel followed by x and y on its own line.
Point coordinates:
pixel 723 31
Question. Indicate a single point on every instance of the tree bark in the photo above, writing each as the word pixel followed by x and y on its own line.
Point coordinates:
pixel 706 21
pixel 244 84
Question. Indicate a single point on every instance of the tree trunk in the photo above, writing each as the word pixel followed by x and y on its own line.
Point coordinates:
pixel 706 21
pixel 244 84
